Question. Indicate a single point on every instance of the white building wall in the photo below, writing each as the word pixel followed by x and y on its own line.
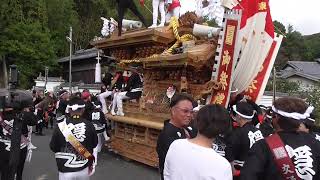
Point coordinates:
pixel 50 85
pixel 304 84
pixel 266 100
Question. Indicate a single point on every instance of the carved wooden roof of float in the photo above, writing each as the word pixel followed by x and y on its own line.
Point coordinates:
pixel 196 56
pixel 141 36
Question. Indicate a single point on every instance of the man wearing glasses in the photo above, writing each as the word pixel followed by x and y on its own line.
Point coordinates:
pixel 178 127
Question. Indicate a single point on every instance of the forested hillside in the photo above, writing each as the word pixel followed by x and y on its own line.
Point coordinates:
pixel 295 46
pixel 33 32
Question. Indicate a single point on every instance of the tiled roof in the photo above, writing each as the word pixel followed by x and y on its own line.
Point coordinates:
pixel 306 69
pixel 84 54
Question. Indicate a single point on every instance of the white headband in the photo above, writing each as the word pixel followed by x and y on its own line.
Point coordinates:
pixel 75 107
pixel 234 91
pixel 234 107
pixel 268 116
pixel 96 106
pixel 263 107
pixel 313 120
pixel 294 115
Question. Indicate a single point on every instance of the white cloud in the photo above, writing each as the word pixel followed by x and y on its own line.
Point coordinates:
pixel 303 15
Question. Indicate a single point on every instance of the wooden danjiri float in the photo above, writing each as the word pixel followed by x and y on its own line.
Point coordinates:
pixel 170 55
pixel 179 55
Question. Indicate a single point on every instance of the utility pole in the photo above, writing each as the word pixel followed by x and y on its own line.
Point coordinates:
pixel 46 72
pixel 69 39
pixel 274 85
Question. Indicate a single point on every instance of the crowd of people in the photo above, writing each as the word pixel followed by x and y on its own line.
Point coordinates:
pixel 79 132
pixel 78 120
pixel 244 141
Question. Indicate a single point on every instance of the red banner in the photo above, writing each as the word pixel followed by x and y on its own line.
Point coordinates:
pixel 259 84
pixel 226 63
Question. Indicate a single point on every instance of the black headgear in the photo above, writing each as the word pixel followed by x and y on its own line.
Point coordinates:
pixel 244 110
pixel 17 99
pixel 75 103
pixel 180 97
pixel 62 92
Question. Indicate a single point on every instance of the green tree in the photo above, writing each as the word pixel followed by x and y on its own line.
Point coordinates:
pixel 29 47
pixel 25 40
pixel 313 45
pixel 293 48
pixel 293 45
pixel 32 32
pixel 283 85
pixel 89 21
pixel 35 11
pixel 61 15
pixel 89 18
pixel 10 13
pixel 279 27
pixel 313 98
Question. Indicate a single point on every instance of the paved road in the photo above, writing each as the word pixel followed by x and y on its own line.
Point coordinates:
pixel 110 166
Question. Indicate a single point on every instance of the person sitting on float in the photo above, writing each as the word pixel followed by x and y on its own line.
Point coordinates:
pixel 111 84
pixel 133 90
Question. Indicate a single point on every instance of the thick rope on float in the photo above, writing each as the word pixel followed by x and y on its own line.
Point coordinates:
pixel 174 24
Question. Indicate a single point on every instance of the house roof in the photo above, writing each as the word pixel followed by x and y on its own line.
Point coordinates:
pixel 306 69
pixel 84 54
pixel 287 74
